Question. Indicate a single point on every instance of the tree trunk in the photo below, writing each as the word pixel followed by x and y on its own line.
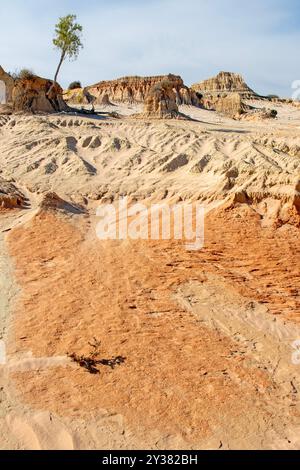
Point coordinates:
pixel 59 66
pixel 54 104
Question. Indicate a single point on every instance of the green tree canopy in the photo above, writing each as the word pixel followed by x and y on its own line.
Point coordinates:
pixel 67 39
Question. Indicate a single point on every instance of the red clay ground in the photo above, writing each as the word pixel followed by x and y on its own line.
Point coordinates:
pixel 180 385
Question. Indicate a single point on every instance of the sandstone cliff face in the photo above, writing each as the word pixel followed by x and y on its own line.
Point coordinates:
pixel 224 83
pixel 37 95
pixel 9 84
pixel 136 90
pixel 161 102
pixel 231 105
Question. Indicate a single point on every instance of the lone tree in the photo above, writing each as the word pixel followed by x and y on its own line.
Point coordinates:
pixel 67 39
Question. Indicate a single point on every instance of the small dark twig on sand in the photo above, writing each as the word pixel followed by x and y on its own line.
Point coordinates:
pixel 90 362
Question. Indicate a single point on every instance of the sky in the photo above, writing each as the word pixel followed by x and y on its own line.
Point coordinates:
pixel 193 38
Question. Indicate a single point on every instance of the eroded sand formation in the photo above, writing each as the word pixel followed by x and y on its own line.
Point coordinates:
pixel 37 94
pixel 226 93
pixel 136 90
pixel 30 93
pixel 224 83
pixel 233 106
pixel 160 102
pixel 205 337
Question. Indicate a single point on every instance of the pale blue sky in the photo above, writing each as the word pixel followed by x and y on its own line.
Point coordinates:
pixel 193 38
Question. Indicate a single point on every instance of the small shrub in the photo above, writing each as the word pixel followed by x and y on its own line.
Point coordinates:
pixel 273 113
pixel 24 74
pixel 74 85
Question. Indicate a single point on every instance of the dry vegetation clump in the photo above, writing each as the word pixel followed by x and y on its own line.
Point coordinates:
pixel 24 74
